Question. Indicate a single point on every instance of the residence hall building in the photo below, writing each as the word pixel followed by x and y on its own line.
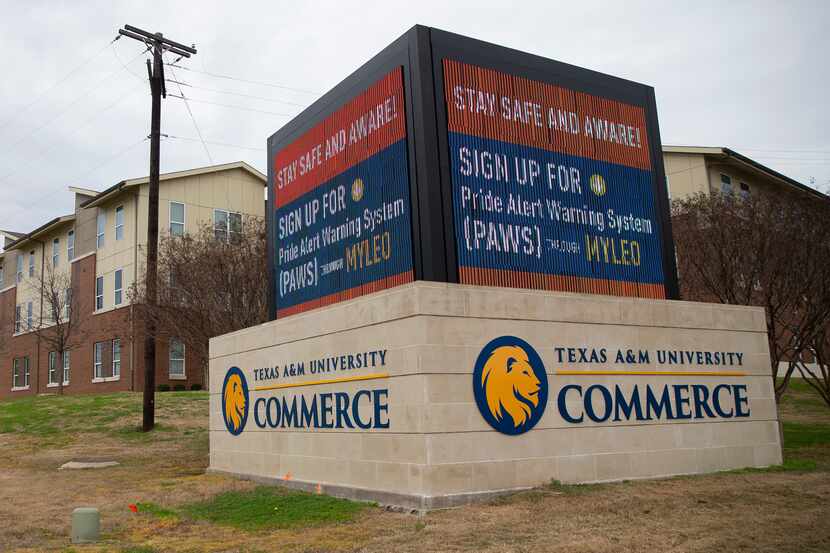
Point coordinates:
pixel 6 237
pixel 694 169
pixel 100 247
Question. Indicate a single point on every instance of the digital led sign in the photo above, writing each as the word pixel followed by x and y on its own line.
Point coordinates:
pixel 551 187
pixel 341 223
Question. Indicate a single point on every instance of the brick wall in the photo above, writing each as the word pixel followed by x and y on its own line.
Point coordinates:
pixel 101 327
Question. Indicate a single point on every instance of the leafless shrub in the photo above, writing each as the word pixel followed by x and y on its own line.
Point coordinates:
pixel 208 286
pixel 771 251
pixel 58 326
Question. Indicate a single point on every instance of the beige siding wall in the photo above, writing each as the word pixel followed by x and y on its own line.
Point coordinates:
pixel 234 190
pixel 85 231
pixel 756 185
pixel 7 261
pixel 29 289
pixel 115 254
pixel 687 174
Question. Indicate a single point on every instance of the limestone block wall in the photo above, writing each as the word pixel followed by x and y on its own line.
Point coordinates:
pixel 430 446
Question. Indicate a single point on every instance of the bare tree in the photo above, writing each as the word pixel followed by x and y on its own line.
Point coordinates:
pixel 771 251
pixel 209 284
pixel 59 326
pixel 817 372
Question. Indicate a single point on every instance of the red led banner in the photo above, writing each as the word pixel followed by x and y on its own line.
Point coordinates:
pixel 358 130
pixel 491 104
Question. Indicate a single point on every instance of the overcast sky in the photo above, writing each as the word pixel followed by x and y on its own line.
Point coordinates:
pixel 752 76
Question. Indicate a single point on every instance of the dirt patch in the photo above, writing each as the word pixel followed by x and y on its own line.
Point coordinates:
pixel 744 511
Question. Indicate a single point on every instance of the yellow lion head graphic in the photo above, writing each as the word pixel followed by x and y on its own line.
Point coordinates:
pixel 507 379
pixel 234 402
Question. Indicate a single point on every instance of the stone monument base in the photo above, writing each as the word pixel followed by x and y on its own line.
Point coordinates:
pixel 401 397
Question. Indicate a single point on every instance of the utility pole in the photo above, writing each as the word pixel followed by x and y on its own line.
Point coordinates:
pixel 155 72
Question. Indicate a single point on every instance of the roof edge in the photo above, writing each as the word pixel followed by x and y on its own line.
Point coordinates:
pixel 40 230
pixel 118 187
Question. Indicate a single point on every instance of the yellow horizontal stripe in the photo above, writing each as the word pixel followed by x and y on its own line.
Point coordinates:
pixel 324 381
pixel 651 373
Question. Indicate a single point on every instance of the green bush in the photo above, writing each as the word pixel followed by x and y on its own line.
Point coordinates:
pixel 164 387
pixel 179 388
pixel 196 387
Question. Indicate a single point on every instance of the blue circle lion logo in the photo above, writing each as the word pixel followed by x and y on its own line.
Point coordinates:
pixel 510 385
pixel 235 401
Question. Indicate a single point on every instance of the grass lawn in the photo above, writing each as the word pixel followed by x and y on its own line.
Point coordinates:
pixel 180 508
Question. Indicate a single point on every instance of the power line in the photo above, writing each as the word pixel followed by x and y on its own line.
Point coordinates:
pixel 249 81
pixel 126 67
pixel 104 163
pixel 87 123
pixel 229 106
pixel 225 144
pixel 228 92
pixel 195 125
pixel 66 108
pixel 785 151
pixel 793 158
pixel 24 109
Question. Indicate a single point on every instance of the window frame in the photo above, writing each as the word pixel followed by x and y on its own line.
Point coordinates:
pixel 18 318
pixel 17 373
pixel 67 305
pixel 19 275
pixel 227 230
pixel 173 222
pixel 118 289
pixel 67 368
pixel 29 315
pixel 116 361
pixel 170 360
pixel 98 361
pixel 99 293
pixel 56 252
pixel 100 229
pixel 70 246
pixel 119 225
pixel 32 264
pixel 52 369
pixel 726 180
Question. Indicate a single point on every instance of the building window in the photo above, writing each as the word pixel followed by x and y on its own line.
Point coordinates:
pixel 726 184
pixel 56 252
pixel 99 293
pixel 1 276
pixel 18 318
pixel 227 225
pixel 119 278
pixel 119 222
pixel 67 305
pixel 19 268
pixel 29 316
pixel 744 190
pixel 70 245
pixel 98 368
pixel 116 358
pixel 102 225
pixel 176 219
pixel 20 373
pixel 53 368
pixel 66 368
pixel 177 351
pixel 31 263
